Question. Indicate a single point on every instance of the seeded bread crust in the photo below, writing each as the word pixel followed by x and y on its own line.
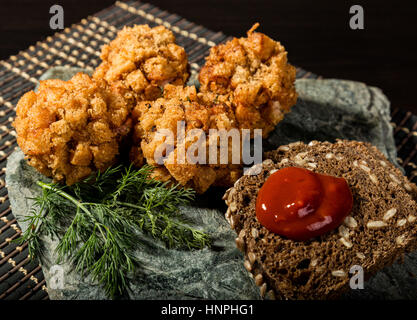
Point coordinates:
pixel 381 227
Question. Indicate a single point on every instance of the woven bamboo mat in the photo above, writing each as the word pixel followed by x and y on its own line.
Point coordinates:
pixel 79 46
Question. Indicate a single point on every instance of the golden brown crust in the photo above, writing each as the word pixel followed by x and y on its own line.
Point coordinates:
pixel 71 129
pixel 140 60
pixel 182 104
pixel 255 72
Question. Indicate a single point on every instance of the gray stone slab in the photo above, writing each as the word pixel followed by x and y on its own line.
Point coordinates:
pixel 326 110
pixel 330 109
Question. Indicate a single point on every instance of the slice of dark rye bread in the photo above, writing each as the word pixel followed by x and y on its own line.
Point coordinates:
pixel 381 227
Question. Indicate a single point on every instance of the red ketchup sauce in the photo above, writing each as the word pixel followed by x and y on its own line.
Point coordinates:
pixel 299 204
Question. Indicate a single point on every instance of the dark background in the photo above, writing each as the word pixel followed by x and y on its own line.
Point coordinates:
pixel 315 33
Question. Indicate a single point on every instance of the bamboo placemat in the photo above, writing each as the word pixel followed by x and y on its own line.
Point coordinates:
pixel 80 46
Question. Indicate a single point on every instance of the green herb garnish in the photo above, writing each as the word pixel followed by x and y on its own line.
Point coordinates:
pixel 98 218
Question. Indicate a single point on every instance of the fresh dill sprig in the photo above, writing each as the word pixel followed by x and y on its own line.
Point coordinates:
pixel 97 218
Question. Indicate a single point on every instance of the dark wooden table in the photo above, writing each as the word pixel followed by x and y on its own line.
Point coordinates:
pixel 315 33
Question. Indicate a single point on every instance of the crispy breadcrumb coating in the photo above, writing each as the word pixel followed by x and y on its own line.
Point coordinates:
pixel 140 61
pixel 69 129
pixel 182 104
pixel 253 73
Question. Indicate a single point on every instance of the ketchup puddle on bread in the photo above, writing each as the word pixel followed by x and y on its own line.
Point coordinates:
pixel 300 204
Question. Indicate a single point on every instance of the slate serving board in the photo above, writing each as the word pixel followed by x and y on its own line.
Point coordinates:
pixel 326 110
pixel 79 46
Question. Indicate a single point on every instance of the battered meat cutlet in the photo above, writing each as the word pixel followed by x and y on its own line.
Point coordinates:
pixel 69 129
pixel 140 61
pixel 183 104
pixel 253 73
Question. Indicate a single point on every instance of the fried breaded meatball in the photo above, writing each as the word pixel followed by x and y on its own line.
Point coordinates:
pixel 69 129
pixel 182 104
pixel 140 61
pixel 253 73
